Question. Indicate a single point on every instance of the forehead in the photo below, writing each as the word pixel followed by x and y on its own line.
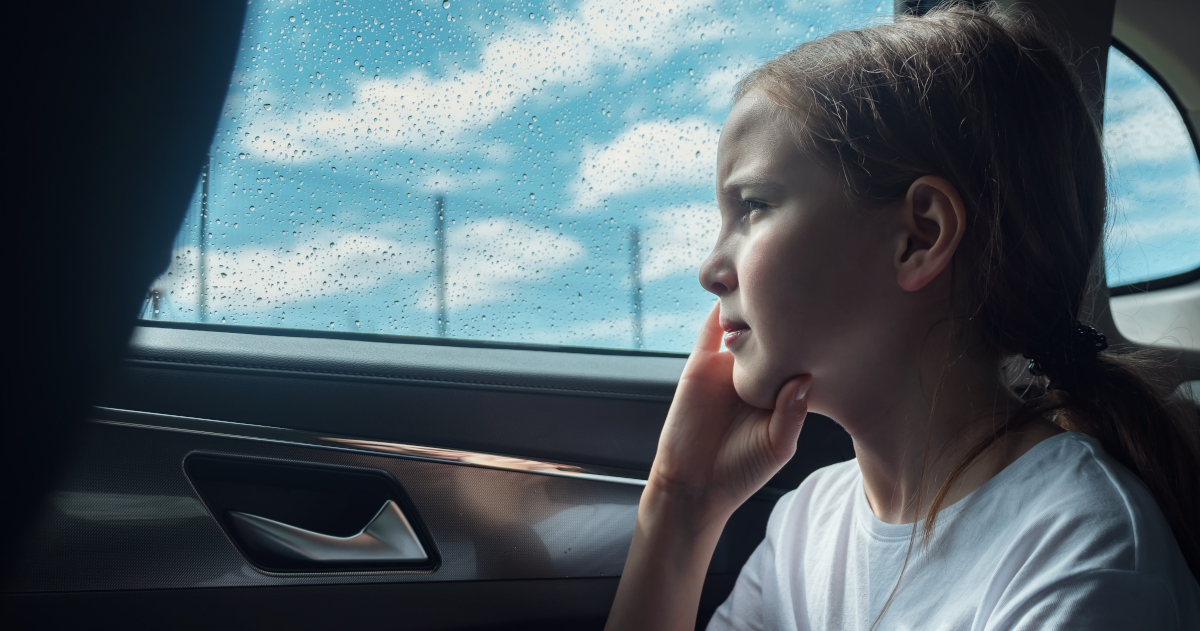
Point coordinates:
pixel 756 142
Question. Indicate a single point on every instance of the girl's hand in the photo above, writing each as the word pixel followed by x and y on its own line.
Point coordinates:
pixel 715 450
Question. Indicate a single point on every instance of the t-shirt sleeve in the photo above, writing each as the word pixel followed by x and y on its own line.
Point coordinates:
pixel 744 607
pixel 1097 600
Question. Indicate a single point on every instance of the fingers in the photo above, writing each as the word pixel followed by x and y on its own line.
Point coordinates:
pixel 709 338
pixel 791 406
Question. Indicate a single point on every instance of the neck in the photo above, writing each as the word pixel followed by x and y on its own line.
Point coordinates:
pixel 908 445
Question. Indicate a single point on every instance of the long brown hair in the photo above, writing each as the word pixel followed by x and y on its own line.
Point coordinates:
pixel 983 98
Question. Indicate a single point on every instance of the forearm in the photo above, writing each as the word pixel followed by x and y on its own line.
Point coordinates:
pixel 664 573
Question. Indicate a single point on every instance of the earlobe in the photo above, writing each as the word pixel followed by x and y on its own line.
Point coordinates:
pixel 933 220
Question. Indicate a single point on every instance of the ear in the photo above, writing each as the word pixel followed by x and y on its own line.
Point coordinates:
pixel 932 223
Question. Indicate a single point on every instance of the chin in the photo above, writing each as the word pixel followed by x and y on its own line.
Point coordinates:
pixel 753 387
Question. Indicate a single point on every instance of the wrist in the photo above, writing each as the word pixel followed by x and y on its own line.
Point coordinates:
pixel 681 512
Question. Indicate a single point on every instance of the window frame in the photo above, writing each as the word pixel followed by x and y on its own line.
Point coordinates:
pixel 399 340
pixel 1183 278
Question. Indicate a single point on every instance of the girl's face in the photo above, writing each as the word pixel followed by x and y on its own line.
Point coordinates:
pixel 806 281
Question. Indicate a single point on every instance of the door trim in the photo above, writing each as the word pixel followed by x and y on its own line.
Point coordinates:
pixel 225 429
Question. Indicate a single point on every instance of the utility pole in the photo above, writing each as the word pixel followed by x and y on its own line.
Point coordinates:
pixel 201 281
pixel 635 270
pixel 439 234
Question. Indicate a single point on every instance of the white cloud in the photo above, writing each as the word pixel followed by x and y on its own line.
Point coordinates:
pixel 1140 121
pixel 717 86
pixel 485 260
pixel 660 330
pixel 678 240
pixel 454 181
pixel 420 111
pixel 1143 231
pixel 650 155
pixel 256 278
pixel 1151 130
pixel 1146 203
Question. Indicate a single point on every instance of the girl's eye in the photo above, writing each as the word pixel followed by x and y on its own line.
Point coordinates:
pixel 752 205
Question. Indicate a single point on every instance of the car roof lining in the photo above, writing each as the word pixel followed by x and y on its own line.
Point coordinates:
pixel 1162 33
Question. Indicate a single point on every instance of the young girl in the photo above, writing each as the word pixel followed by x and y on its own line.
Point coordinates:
pixel 906 209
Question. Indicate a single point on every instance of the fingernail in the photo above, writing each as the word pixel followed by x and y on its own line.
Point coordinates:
pixel 802 391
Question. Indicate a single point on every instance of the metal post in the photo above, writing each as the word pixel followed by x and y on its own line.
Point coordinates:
pixel 201 281
pixel 439 208
pixel 635 270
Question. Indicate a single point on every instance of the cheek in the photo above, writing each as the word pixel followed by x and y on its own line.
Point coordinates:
pixel 761 276
pixel 774 277
pixel 806 294
pixel 783 277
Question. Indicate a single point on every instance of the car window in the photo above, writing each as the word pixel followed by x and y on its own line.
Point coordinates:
pixel 1154 179
pixel 519 172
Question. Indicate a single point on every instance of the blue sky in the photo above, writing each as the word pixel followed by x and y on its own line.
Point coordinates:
pixel 553 129
pixel 1154 179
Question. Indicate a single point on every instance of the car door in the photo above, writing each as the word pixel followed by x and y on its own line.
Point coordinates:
pixel 421 328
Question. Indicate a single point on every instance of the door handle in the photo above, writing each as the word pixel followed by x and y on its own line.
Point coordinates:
pixel 388 537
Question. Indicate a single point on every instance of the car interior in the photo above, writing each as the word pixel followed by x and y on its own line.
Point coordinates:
pixel 390 449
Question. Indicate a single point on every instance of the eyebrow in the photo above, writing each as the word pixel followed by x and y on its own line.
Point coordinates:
pixel 748 182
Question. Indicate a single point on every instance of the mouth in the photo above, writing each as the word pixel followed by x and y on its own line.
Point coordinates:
pixel 735 331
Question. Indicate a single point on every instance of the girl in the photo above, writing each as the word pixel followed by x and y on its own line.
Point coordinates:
pixel 905 209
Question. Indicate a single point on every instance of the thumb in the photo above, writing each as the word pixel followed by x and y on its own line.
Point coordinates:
pixel 791 407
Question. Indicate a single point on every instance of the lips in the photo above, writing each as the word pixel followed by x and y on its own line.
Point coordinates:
pixel 735 332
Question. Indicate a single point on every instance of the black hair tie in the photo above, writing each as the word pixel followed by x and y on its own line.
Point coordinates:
pixel 1060 356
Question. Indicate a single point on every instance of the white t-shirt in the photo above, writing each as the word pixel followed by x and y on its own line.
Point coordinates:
pixel 1063 538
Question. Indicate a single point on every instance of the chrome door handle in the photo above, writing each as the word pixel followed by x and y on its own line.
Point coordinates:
pixel 388 537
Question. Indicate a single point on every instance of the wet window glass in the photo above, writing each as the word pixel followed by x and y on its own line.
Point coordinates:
pixel 1154 179
pixel 519 172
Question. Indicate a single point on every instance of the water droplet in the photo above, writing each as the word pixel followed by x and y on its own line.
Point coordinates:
pixel 531 196
pixel 446 4
pixel 291 18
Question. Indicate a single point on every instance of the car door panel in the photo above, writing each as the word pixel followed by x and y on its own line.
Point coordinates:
pixel 523 464
pixel 592 408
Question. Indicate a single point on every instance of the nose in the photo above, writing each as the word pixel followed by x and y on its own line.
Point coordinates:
pixel 717 274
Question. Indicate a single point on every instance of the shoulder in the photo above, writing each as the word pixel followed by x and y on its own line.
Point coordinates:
pixel 1072 523
pixel 826 489
pixel 1071 496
